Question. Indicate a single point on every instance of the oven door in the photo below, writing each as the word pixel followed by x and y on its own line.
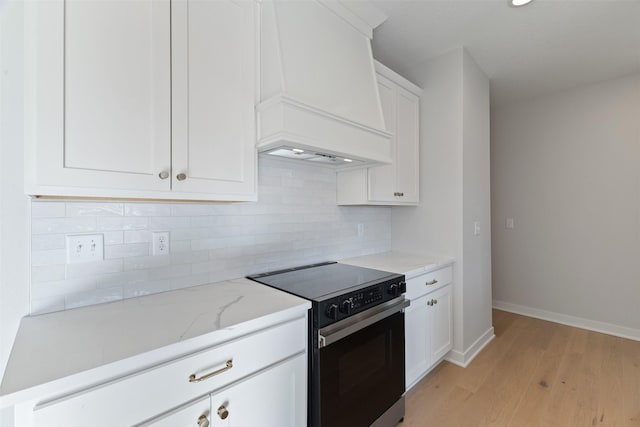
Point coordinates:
pixel 362 365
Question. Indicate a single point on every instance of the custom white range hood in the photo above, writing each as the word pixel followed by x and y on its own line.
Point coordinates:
pixel 319 97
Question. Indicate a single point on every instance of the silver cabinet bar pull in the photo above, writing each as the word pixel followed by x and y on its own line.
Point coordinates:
pixel 433 282
pixel 228 365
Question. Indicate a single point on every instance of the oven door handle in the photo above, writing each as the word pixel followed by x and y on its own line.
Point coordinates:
pixel 335 332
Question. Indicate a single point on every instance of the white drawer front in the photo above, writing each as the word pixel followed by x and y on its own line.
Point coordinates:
pixel 429 282
pixel 141 396
pixel 186 416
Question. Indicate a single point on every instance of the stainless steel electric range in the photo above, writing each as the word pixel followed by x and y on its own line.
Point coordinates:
pixel 356 342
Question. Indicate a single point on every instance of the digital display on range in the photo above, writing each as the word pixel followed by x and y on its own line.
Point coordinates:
pixel 367 297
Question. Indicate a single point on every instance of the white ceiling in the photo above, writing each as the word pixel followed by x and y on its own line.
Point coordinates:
pixel 547 46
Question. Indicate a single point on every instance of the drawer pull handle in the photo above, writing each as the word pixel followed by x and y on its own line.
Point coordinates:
pixel 181 176
pixel 163 175
pixel 223 413
pixel 432 282
pixel 203 421
pixel 228 365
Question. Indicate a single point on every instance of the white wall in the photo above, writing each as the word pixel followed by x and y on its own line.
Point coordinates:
pixel 454 188
pixel 434 225
pixel 476 202
pixel 566 167
pixel 14 215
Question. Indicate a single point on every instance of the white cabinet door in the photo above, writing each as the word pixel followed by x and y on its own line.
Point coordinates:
pixel 382 179
pixel 276 397
pixel 406 146
pixel 98 112
pixel 428 331
pixel 417 345
pixel 214 93
pixel 398 182
pixel 186 416
pixel 441 325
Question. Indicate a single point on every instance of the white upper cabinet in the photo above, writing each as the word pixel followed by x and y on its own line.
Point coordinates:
pixel 397 183
pixel 141 99
pixel 214 80
pixel 100 103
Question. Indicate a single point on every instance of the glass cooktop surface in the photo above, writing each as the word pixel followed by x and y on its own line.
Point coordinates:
pixel 317 281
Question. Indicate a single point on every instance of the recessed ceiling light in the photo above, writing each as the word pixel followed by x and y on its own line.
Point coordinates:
pixel 518 3
pixel 297 150
pixel 348 160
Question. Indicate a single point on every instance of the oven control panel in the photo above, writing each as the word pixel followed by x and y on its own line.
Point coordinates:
pixel 338 308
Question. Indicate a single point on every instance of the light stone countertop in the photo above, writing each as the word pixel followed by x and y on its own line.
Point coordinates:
pixel 63 350
pixel 411 265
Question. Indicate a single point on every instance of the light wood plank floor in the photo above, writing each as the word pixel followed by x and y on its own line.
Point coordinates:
pixel 534 373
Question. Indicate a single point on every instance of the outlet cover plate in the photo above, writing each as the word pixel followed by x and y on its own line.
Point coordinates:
pixel 160 243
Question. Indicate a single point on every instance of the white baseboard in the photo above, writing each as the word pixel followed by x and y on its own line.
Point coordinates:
pixel 464 358
pixel 565 319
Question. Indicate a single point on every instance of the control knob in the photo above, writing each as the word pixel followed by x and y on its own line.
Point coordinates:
pixel 345 306
pixel 403 286
pixel 394 290
pixel 332 312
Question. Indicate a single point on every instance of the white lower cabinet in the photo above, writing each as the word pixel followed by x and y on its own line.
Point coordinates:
pixel 260 378
pixel 440 316
pixel 428 323
pixel 417 342
pixel 193 414
pixel 274 397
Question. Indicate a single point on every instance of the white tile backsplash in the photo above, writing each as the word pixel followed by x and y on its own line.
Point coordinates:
pixel 48 210
pixel 95 209
pixel 114 237
pixel 43 242
pixel 126 251
pixel 296 221
pixel 147 209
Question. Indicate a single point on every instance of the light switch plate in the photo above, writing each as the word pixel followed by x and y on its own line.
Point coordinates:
pixel 84 248
pixel 476 228
pixel 509 224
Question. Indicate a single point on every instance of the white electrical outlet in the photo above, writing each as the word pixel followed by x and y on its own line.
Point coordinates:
pixel 509 224
pixel 360 229
pixel 85 248
pixel 476 228
pixel 160 242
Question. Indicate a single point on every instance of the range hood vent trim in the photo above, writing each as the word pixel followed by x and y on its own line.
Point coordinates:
pixel 284 123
